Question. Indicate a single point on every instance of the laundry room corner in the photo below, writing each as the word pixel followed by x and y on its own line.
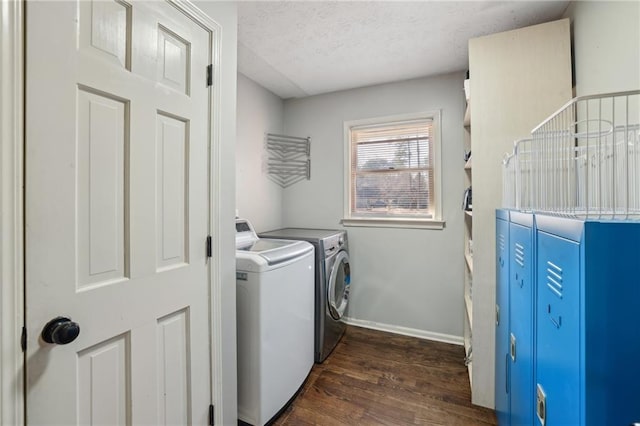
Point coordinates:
pixel 399 282
pixel 258 198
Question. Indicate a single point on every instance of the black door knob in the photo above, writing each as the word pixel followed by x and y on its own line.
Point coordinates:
pixel 60 331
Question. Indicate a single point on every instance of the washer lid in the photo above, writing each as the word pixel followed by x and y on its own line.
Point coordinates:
pixel 272 250
pixel 307 234
pixel 277 251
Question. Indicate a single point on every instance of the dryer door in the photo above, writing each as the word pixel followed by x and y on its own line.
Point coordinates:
pixel 339 284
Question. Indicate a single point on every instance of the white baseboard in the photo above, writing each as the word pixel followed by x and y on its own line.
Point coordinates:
pixel 406 331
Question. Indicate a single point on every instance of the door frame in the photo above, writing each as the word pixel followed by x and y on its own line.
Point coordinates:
pixel 11 225
pixel 12 142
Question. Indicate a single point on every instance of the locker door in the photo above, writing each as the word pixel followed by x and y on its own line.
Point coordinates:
pixel 502 321
pixel 521 323
pixel 557 328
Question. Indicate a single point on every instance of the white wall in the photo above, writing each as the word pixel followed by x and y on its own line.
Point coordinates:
pixel 258 198
pixel 401 277
pixel 606 45
pixel 225 384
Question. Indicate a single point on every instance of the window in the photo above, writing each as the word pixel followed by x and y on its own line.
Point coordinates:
pixel 393 171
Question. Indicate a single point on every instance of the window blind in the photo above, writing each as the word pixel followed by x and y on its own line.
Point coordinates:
pixel 392 169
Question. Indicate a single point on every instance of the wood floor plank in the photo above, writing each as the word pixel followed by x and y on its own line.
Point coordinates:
pixel 378 378
pixel 453 378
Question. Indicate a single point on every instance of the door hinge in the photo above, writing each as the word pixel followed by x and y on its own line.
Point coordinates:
pixel 23 339
pixel 209 252
pixel 210 75
pixel 211 415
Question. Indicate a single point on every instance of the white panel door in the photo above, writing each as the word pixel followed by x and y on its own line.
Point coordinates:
pixel 117 171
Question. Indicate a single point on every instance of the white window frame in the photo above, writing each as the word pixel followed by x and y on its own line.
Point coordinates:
pixel 436 222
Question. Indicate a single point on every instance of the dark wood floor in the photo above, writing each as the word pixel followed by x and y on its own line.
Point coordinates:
pixel 377 378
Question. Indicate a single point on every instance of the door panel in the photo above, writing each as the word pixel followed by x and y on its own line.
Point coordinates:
pixel 117 213
pixel 173 351
pixel 101 192
pixel 173 59
pixel 105 31
pixel 172 182
pixel 104 380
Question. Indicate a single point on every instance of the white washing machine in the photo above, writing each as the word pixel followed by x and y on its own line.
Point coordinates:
pixel 275 322
pixel 333 282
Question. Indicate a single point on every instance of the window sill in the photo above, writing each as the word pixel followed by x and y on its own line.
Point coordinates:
pixel 394 223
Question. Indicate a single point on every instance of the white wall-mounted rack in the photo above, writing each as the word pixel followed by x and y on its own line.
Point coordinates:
pixel 288 159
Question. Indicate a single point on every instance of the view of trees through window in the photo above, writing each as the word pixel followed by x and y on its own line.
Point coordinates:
pixel 392 173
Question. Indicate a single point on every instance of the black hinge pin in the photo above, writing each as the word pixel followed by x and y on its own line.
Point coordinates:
pixel 209 250
pixel 210 75
pixel 23 339
pixel 211 415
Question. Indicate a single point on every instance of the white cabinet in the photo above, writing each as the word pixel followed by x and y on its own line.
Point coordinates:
pixel 518 78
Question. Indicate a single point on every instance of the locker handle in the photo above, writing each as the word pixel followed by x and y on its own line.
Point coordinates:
pixel 555 322
pixel 512 347
pixel 506 373
pixel 541 405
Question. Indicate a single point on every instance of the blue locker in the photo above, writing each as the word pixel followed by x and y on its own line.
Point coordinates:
pixel 503 406
pixel 558 327
pixel 587 334
pixel 521 309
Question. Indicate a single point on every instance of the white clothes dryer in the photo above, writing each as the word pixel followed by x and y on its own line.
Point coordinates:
pixel 275 322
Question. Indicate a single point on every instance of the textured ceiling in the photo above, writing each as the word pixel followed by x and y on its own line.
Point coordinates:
pixel 301 48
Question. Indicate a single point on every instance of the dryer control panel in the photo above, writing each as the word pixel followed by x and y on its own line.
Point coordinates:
pixel 334 244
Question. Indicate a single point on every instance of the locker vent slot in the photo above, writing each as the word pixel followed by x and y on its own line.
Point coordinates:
pixel 519 257
pixel 501 242
pixel 554 279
